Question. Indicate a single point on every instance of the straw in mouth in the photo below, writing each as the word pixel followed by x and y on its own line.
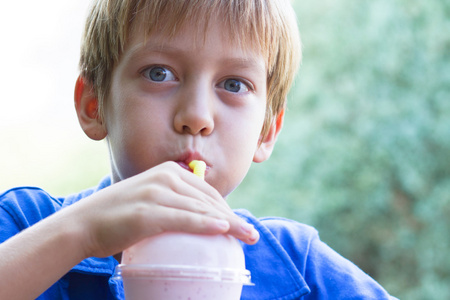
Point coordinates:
pixel 198 167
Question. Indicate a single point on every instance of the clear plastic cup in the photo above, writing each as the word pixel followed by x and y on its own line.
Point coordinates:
pixel 166 282
pixel 173 266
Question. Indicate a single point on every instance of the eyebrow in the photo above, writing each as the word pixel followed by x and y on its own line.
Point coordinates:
pixel 241 62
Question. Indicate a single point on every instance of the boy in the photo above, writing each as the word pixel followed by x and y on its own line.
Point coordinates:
pixel 167 82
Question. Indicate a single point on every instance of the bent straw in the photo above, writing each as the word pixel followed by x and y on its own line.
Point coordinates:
pixel 198 167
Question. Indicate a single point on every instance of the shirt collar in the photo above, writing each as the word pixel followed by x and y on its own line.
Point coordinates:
pixel 71 199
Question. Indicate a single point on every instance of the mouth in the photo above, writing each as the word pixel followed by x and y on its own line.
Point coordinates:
pixel 186 158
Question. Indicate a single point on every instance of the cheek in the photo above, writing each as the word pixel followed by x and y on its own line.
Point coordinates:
pixel 131 134
pixel 242 144
pixel 132 153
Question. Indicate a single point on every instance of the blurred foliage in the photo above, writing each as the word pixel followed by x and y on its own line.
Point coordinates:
pixel 365 152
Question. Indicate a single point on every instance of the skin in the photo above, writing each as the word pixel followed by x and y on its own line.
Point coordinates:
pixel 209 106
pixel 191 114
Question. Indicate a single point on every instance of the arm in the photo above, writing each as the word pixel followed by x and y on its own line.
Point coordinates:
pixel 165 198
pixel 38 256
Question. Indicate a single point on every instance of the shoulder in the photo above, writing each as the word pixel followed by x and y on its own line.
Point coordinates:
pixel 29 200
pixel 286 228
pixel 324 270
pixel 24 206
pixel 293 242
pixel 292 235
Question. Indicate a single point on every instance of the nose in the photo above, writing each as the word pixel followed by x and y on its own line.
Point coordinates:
pixel 195 112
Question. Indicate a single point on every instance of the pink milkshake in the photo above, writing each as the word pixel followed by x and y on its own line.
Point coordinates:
pixel 184 266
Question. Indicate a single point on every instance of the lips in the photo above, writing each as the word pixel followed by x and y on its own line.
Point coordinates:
pixel 187 157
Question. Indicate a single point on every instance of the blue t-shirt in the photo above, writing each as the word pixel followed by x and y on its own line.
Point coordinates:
pixel 288 262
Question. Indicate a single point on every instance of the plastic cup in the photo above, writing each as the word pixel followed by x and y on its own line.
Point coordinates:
pixel 145 282
pixel 174 266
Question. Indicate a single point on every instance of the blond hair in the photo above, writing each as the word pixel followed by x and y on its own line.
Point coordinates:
pixel 267 25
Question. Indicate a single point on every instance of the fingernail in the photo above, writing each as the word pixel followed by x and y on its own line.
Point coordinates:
pixel 254 236
pixel 247 228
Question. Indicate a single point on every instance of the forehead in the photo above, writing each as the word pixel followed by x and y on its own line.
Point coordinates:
pixel 240 32
pixel 212 45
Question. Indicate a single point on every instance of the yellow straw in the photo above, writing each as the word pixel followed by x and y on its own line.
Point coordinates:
pixel 198 167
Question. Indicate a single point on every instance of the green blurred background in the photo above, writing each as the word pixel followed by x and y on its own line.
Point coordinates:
pixel 364 154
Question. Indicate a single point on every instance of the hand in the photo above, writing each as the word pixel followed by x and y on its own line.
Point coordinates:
pixel 164 198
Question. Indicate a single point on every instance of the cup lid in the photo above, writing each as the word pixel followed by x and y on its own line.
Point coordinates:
pixel 182 272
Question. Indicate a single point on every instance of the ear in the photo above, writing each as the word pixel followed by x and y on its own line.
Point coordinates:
pixel 265 149
pixel 86 105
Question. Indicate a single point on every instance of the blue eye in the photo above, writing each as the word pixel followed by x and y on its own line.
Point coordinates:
pixel 159 74
pixel 235 86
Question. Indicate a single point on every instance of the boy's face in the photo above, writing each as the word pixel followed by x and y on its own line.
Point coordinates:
pixel 179 100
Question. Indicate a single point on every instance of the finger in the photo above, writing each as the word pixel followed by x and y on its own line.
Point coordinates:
pixel 205 192
pixel 191 194
pixel 204 208
pixel 212 222
pixel 181 189
pixel 203 186
pixel 244 231
pixel 185 196
pixel 176 220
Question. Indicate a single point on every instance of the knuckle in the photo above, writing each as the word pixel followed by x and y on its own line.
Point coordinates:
pixel 168 177
pixel 140 214
pixel 151 193
pixel 201 207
